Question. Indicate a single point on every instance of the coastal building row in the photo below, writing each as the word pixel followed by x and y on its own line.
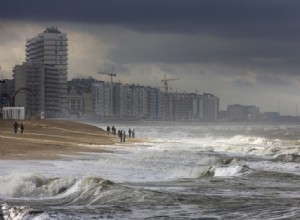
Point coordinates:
pixel 89 98
pixel 135 102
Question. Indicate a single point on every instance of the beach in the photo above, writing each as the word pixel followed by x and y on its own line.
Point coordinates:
pixel 63 170
pixel 51 139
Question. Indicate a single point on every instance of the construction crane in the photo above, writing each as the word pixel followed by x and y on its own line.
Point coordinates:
pixel 167 100
pixel 109 74
pixel 165 83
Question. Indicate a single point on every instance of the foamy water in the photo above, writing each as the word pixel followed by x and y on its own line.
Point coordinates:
pixel 184 172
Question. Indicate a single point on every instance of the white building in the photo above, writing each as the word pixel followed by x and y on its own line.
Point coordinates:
pixel 51 47
pixel 141 101
pixel 17 113
pixel 126 102
pixel 103 99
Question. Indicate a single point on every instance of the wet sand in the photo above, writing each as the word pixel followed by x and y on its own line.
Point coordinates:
pixel 51 139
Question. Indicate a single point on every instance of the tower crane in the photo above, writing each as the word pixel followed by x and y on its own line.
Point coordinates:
pixel 109 74
pixel 167 101
pixel 165 83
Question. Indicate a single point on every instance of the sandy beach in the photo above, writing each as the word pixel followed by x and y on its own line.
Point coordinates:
pixel 51 139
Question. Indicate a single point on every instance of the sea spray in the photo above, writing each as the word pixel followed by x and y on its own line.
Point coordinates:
pixel 192 171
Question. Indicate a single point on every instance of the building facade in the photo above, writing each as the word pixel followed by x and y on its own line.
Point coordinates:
pixel 102 93
pixel 135 102
pixel 51 48
pixel 7 89
pixel 242 113
pixel 210 107
pixel 37 89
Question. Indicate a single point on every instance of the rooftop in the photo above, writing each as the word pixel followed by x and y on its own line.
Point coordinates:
pixel 52 29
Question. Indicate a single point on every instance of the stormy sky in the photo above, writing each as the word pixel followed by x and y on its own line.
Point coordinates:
pixel 243 51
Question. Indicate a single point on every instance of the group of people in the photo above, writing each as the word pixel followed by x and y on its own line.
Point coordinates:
pixel 121 133
pixel 131 133
pixel 18 127
pixel 113 129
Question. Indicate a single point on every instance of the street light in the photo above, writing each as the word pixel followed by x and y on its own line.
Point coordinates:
pixel 1 80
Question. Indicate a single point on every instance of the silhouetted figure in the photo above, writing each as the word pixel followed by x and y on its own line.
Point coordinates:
pixel 133 133
pixel 16 125
pixel 120 135
pixel 22 127
pixel 108 129
pixel 113 129
pixel 129 132
pixel 124 136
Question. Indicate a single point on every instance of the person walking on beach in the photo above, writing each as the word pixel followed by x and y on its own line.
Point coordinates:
pixel 108 129
pixel 120 135
pixel 22 127
pixel 129 132
pixel 124 136
pixel 113 129
pixel 133 133
pixel 16 125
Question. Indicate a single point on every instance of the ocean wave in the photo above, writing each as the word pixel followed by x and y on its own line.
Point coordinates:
pixel 228 167
pixel 37 186
pixel 232 170
pixel 8 212
pixel 33 185
pixel 288 158
pixel 65 191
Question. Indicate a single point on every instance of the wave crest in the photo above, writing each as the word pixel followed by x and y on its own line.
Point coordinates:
pixel 288 158
pixel 32 185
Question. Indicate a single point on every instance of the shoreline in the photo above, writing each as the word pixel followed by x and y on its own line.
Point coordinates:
pixel 52 139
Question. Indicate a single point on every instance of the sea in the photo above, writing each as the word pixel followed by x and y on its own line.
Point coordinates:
pixel 178 171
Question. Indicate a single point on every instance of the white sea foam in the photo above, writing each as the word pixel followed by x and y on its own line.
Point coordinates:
pixel 229 171
pixel 32 185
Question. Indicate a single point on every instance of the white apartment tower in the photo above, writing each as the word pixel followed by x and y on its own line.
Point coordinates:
pixel 51 48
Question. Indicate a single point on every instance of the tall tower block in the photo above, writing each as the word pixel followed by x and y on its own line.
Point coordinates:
pixel 51 48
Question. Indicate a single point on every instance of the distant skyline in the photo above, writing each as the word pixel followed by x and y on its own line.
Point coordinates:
pixel 244 52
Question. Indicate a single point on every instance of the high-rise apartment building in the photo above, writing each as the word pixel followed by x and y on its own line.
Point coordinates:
pixel 51 48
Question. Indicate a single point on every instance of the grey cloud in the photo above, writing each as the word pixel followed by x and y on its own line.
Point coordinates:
pixel 243 83
pixel 272 80
pixel 268 57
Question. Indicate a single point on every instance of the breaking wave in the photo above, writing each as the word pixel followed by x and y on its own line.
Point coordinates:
pixel 288 158
pixel 229 167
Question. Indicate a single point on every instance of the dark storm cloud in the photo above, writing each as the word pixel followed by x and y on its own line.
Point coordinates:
pixel 243 29
pixel 258 35
pixel 260 18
